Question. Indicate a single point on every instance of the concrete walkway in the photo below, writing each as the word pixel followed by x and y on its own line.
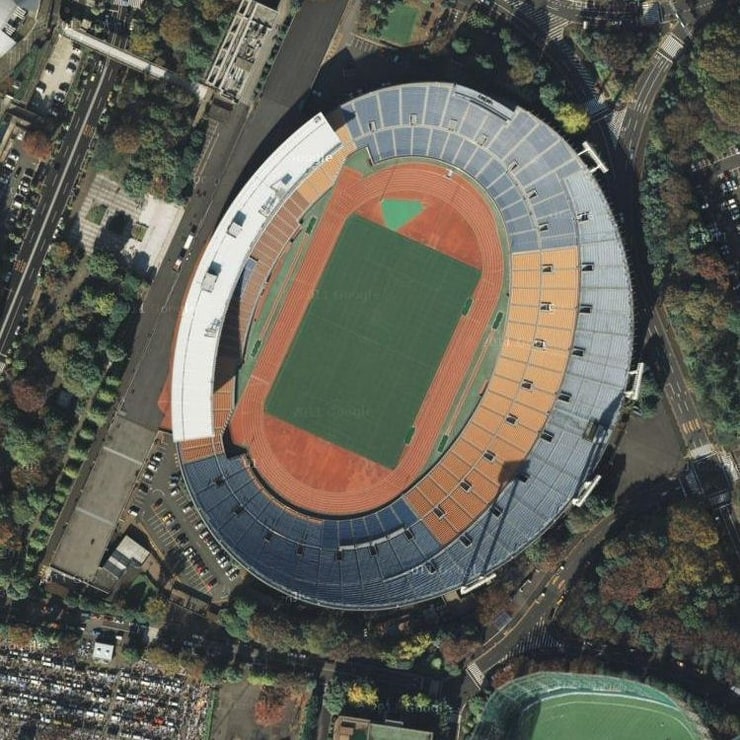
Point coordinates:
pixel 134 62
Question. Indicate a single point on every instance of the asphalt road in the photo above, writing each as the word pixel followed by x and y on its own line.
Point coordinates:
pixel 633 133
pixel 59 183
pixel 537 608
pixel 676 389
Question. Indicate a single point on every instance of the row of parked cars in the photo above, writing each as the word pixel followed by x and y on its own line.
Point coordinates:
pixel 174 527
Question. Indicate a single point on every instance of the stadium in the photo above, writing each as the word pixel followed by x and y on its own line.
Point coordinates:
pixel 551 706
pixel 403 350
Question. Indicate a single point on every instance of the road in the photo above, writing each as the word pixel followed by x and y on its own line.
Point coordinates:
pixel 633 132
pixel 537 609
pixel 57 188
pixel 239 141
pixel 676 389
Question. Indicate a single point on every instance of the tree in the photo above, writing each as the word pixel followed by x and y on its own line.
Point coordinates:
pixel 573 119
pixel 36 144
pixel 25 447
pixel 335 697
pixel 362 695
pixel 415 647
pixel 718 52
pixel 416 702
pixel 476 19
pixel 460 45
pixel 269 709
pixel 126 139
pixel 102 265
pixel 484 60
pixel 156 610
pixel 522 70
pixel 236 619
pixel 143 43
pixel 175 29
pixel 688 524
pixel 27 397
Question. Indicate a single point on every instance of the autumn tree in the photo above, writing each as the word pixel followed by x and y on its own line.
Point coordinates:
pixel 36 144
pixel 572 118
pixel 269 709
pixel 212 9
pixel 175 29
pixel 455 650
pixel 27 397
pixel 126 139
pixel 362 694
pixel 414 647
pixel 687 524
pixel 156 610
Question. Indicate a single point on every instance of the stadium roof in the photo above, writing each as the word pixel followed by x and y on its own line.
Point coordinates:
pixel 560 229
pixel 220 268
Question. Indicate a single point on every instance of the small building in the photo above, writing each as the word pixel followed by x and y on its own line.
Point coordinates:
pixel 128 554
pixel 103 652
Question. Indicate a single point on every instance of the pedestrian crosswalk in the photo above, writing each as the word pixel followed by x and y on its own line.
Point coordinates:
pixel 475 674
pixel 88 131
pixel 556 27
pixel 20 266
pixel 670 46
pixel 688 427
pixel 363 46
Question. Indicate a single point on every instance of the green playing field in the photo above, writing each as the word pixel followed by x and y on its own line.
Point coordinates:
pixel 371 340
pixel 608 717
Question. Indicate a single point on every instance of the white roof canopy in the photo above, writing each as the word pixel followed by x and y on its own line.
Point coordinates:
pixel 220 266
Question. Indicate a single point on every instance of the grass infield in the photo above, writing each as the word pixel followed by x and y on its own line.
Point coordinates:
pixel 370 343
pixel 611 717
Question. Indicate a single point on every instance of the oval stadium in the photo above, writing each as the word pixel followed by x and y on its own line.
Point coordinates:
pixel 573 706
pixel 403 350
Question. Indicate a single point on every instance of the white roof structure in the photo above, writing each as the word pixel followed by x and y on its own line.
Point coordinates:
pixel 103 652
pixel 221 265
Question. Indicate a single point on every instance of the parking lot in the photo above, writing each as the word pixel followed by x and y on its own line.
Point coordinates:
pixel 161 507
pixel 58 75
pixel 60 697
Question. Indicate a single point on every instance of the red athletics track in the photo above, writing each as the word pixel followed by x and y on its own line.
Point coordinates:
pixel 316 475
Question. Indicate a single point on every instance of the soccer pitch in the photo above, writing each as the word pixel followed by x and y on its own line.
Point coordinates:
pixel 603 716
pixel 371 340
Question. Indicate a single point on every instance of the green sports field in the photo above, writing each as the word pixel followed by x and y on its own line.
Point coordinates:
pixel 370 343
pixel 603 716
pixel 401 23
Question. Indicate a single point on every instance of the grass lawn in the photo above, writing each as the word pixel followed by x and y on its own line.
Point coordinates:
pixel 371 341
pixel 604 716
pixel 402 21
pixel 97 212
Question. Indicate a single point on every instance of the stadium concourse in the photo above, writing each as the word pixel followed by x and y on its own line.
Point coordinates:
pixel 529 402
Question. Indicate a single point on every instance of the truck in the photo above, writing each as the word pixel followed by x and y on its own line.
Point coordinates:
pixel 184 251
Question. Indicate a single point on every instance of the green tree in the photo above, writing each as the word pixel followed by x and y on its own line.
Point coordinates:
pixel 25 446
pixel 460 45
pixel 484 60
pixel 572 118
pixel 477 19
pixel 102 265
pixel 335 697
pixel 236 619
